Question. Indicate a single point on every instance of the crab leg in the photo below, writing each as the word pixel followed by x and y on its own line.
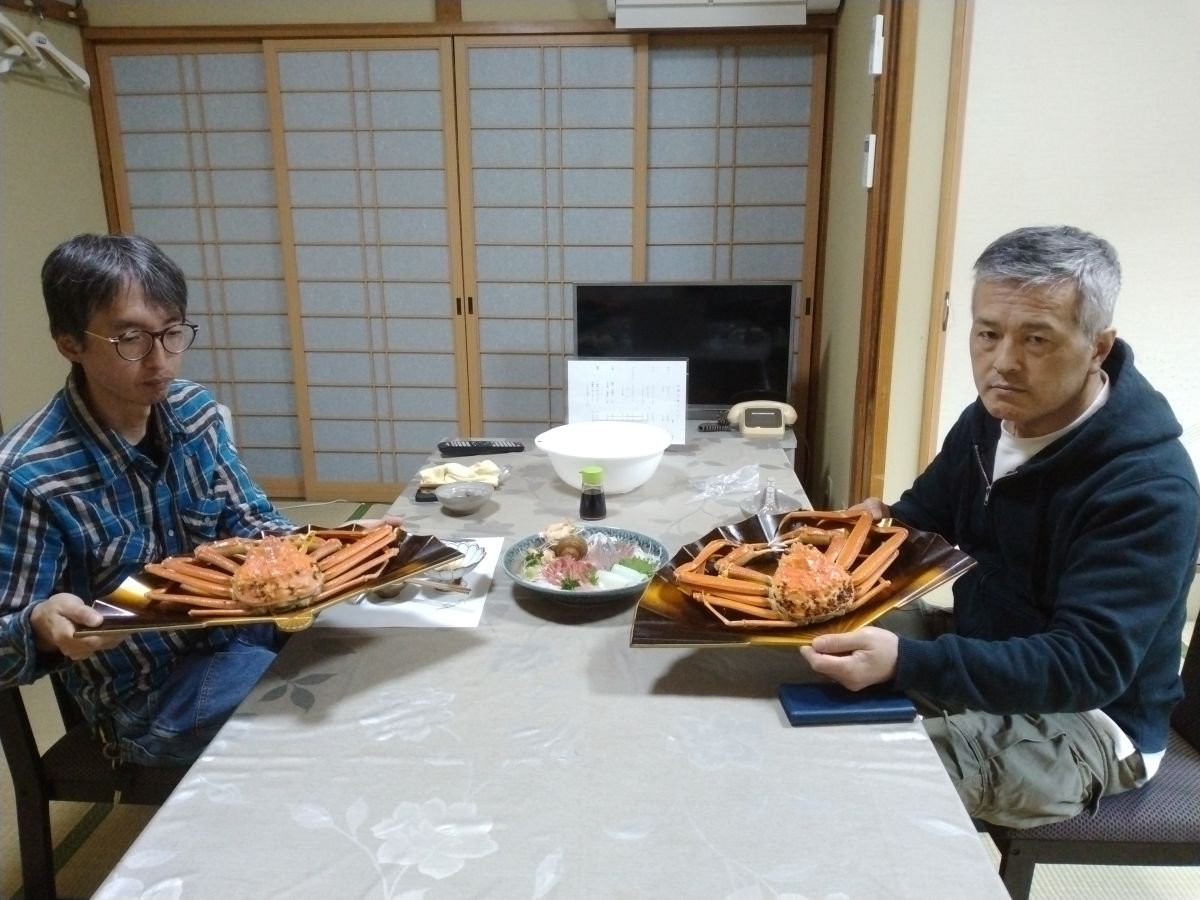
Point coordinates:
pixel 174 566
pixel 345 535
pixel 697 581
pixel 192 599
pixel 808 534
pixel 880 558
pixel 870 594
pixel 352 554
pixel 215 558
pixel 326 548
pixel 346 585
pixel 199 586
pixel 855 541
pixel 703 556
pixel 336 584
pixel 739 604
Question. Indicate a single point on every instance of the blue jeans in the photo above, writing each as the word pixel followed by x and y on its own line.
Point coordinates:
pixel 172 725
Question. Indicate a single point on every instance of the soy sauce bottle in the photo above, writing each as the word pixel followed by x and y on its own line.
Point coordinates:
pixel 591 501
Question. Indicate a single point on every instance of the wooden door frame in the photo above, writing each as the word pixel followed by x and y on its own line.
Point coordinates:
pixel 891 122
pixel 939 309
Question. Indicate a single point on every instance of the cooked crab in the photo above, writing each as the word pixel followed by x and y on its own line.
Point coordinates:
pixel 237 576
pixel 805 584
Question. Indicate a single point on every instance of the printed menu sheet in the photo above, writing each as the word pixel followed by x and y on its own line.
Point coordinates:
pixel 629 390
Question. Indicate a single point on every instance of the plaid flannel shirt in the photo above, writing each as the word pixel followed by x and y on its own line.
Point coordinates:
pixel 81 509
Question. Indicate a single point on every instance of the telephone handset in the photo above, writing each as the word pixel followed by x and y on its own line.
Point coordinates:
pixel 761 418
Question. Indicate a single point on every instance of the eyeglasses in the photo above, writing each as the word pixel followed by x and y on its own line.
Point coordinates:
pixel 135 345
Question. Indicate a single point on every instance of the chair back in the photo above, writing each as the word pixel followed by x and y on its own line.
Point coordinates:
pixel 68 706
pixel 1186 717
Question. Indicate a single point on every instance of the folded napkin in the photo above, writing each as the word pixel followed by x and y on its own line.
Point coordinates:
pixel 486 471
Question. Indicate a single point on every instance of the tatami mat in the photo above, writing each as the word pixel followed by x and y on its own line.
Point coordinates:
pixel 329 512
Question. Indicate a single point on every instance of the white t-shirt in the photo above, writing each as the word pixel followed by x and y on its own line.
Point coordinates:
pixel 1012 451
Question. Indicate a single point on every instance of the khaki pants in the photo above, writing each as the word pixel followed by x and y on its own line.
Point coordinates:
pixel 1019 770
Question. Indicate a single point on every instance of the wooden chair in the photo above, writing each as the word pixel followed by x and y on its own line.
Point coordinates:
pixel 73 769
pixel 1157 825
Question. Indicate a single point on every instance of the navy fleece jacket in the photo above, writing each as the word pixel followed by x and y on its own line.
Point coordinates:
pixel 1085 556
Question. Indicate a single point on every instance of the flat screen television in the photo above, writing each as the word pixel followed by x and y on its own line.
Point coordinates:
pixel 736 336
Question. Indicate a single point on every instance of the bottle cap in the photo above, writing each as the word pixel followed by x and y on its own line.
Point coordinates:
pixel 592 475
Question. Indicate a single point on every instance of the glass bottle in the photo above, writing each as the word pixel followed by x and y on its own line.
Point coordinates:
pixel 591 501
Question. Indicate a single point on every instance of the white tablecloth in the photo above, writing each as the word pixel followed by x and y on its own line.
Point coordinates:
pixel 538 755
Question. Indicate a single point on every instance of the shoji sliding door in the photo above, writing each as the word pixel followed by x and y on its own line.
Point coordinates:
pixel 551 168
pixel 734 168
pixel 382 236
pixel 369 204
pixel 190 140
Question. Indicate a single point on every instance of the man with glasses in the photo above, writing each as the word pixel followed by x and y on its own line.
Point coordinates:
pixel 124 466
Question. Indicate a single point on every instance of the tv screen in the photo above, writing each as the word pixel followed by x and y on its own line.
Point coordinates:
pixel 736 336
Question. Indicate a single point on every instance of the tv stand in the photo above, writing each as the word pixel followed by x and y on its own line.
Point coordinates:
pixel 787 443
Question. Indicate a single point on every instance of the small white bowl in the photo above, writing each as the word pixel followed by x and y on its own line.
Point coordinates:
pixel 456 569
pixel 463 497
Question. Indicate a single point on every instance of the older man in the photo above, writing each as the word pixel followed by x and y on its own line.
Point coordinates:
pixel 1067 481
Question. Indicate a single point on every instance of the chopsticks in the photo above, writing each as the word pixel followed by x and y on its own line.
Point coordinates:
pixel 392 589
pixel 447 586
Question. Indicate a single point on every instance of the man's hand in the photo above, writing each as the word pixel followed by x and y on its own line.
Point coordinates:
pixel 855 660
pixel 54 621
pixel 876 507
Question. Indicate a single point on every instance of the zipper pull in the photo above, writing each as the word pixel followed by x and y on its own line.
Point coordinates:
pixel 987 482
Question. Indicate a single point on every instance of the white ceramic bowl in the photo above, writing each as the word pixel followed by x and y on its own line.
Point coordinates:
pixel 628 452
pixel 462 497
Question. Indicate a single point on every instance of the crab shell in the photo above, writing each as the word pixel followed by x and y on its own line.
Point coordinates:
pixel 808 586
pixel 276 574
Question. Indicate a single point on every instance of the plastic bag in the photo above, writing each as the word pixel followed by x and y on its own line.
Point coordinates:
pixel 740 481
pixel 770 500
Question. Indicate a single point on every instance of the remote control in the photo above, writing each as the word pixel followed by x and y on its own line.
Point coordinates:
pixel 478 446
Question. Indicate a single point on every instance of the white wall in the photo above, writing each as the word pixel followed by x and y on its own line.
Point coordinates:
pixel 49 191
pixel 1087 112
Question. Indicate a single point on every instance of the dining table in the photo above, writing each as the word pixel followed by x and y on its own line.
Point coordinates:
pixel 526 750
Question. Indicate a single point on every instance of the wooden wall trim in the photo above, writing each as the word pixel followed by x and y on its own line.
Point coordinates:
pixel 163 34
pixel 101 83
pixel 287 250
pixel 892 122
pixel 956 103
pixel 814 251
pixel 447 11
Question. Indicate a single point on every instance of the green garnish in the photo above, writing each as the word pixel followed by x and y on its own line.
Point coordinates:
pixel 638 565
pixel 569 584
